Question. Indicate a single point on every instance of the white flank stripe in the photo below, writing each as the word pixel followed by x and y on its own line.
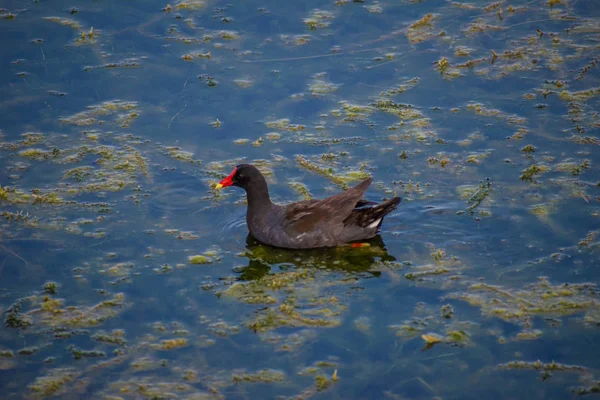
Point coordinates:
pixel 374 224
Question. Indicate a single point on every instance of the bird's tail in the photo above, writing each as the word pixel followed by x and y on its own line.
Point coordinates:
pixel 384 209
pixel 372 217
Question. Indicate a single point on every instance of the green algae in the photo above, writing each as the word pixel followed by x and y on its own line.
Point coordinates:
pixel 353 112
pixel 228 35
pixel 543 211
pixel 285 125
pixel 540 366
pixel 320 85
pixel 318 19
pixel 143 387
pixel 195 56
pixel 402 88
pixel 528 149
pixel 426 272
pixel 573 167
pixel 589 240
pixel 116 337
pixel 447 70
pixel 54 313
pixel 340 180
pixel 301 189
pixel 64 21
pixel 421 30
pixel 452 337
pixel 7 353
pixel 581 95
pixel 83 36
pixel 53 383
pixel 36 154
pixel 146 364
pixel 290 343
pixel 170 344
pixel 411 328
pixel 296 40
pixel 587 68
pixel 307 371
pixel 322 382
pixel 241 141
pixel 79 353
pixel 261 376
pixel 363 324
pixel 249 294
pixel 119 269
pixel 223 329
pixel 447 311
pixel 93 114
pixel 529 174
pixel 14 317
pixel 47 198
pixel 124 119
pixel 316 312
pixel 404 111
pixel 14 196
pixel 112 172
pixel 272 136
pixel 207 258
pixel 199 259
pixel 479 195
pixel 28 351
pixel 592 388
pixel 30 139
pixel 115 170
pixel 188 5
pixel 457 337
pixel 78 174
pixel 529 335
pixel 541 298
pixel 51 288
pixel 480 109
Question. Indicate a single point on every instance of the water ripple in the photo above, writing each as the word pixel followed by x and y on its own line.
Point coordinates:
pixel 180 194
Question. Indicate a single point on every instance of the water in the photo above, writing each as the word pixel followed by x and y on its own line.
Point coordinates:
pixel 119 118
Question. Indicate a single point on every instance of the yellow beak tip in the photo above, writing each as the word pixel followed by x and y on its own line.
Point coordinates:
pixel 218 186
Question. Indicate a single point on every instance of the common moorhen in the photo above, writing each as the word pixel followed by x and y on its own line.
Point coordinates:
pixel 308 224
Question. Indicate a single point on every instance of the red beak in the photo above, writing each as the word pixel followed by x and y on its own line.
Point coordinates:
pixel 227 181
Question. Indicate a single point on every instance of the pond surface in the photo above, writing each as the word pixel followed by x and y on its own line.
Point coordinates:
pixel 125 275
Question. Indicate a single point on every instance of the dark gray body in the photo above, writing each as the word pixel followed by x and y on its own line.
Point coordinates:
pixel 318 223
pixel 308 224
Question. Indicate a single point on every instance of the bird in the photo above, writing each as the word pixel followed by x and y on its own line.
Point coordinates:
pixel 344 218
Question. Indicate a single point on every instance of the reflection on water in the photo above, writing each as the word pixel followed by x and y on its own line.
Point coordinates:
pixel 264 258
pixel 123 274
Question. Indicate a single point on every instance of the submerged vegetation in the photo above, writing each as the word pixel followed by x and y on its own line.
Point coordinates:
pixel 124 275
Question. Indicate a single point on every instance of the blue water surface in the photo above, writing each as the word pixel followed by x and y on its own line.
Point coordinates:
pixel 125 274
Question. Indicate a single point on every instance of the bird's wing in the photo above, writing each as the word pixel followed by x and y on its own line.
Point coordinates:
pixel 305 216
